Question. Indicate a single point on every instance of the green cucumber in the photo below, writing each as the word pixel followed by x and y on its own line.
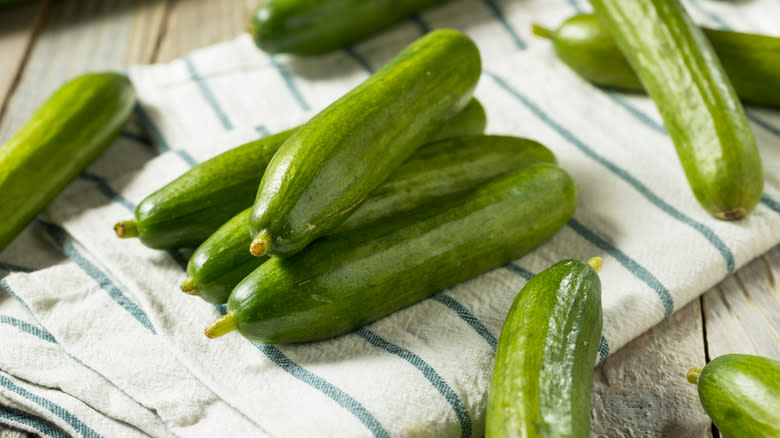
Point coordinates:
pixel 705 120
pixel 436 170
pixel 741 394
pixel 186 211
pixel 751 61
pixel 64 135
pixel 309 27
pixel 323 171
pixel 541 381
pixel 344 281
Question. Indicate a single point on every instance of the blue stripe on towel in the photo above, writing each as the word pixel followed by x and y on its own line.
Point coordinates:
pixel 603 349
pixel 428 371
pixel 21 419
pixel 288 80
pixel 27 327
pixel 106 189
pixel 157 137
pixel 763 123
pixel 360 59
pixel 333 392
pixel 207 94
pixel 638 270
pixel 496 10
pixel 466 315
pixel 424 28
pixel 771 203
pixel 136 138
pixel 519 271
pixel 63 241
pixel 623 174
pixel 52 407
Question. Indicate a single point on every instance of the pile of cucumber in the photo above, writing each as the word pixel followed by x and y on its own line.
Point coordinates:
pixel 393 193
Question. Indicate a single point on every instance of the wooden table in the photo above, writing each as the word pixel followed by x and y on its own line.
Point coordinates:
pixel 639 391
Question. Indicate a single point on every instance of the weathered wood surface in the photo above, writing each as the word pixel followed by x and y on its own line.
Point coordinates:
pixel 639 391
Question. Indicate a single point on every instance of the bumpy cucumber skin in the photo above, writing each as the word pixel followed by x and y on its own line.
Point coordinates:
pixel 309 27
pixel 701 111
pixel 541 381
pixel 347 280
pixel 750 60
pixel 322 173
pixel 186 211
pixel 65 134
pixel 741 394
pixel 435 171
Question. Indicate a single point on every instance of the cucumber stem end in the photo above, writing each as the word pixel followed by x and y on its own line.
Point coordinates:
pixel 693 375
pixel 125 229
pixel 595 263
pixel 259 245
pixel 541 31
pixel 188 287
pixel 221 326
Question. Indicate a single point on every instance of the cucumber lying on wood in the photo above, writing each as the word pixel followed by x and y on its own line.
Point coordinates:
pixel 64 135
pixel 347 280
pixel 741 394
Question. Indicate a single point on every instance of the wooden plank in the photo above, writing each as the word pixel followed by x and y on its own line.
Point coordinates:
pixel 18 27
pixel 193 24
pixel 742 313
pixel 81 36
pixel 641 389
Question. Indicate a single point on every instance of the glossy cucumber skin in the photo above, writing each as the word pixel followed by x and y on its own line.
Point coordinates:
pixel 309 27
pixel 741 394
pixel 751 61
pixel 705 119
pixel 322 173
pixel 347 280
pixel 64 135
pixel 186 211
pixel 435 171
pixel 541 381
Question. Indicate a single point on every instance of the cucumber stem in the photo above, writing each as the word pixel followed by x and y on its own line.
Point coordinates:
pixel 542 31
pixel 188 287
pixel 693 375
pixel 595 263
pixel 259 245
pixel 221 326
pixel 125 229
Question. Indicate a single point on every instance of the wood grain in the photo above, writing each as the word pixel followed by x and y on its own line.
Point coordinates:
pixel 18 27
pixel 742 313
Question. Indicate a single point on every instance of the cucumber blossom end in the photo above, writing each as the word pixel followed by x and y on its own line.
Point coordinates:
pixel 221 326
pixel 187 286
pixel 126 229
pixel 259 245
pixel 732 215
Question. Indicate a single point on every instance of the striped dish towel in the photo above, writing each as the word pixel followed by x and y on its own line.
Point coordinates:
pixel 97 340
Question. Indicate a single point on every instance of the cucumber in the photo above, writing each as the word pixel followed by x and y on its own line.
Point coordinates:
pixel 64 135
pixel 309 27
pixel 436 170
pixel 750 61
pixel 541 381
pixel 704 118
pixel 186 211
pixel 323 171
pixel 347 280
pixel 741 394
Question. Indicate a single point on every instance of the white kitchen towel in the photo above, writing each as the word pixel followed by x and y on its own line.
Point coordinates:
pixel 423 370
